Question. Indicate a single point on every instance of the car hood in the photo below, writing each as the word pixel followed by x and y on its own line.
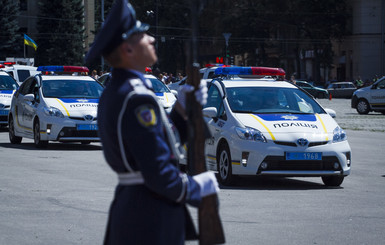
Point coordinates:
pixel 6 97
pixel 72 107
pixel 287 127
pixel 363 90
pixel 167 99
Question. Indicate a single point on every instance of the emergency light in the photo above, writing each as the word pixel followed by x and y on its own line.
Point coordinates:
pixel 148 69
pixel 63 68
pixel 260 71
pixel 9 63
pixel 216 65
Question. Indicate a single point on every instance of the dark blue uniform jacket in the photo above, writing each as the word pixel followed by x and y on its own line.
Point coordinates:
pixel 146 213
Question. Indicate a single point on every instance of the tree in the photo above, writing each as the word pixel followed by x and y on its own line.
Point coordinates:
pixel 61 32
pixel 10 40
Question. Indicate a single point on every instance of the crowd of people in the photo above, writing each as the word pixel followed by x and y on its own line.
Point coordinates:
pixel 168 78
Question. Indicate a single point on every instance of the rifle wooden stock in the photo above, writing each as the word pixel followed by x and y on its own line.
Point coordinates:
pixel 210 226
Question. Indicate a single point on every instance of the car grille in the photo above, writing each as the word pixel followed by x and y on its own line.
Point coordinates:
pixel 280 163
pixel 3 118
pixel 72 132
pixel 311 144
pixel 81 118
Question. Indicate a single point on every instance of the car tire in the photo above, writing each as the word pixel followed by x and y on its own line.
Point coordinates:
pixel 362 107
pixel 333 180
pixel 36 136
pixel 225 171
pixel 11 129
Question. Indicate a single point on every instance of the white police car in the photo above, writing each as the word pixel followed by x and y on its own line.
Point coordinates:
pixel 8 86
pixel 55 107
pixel 269 127
pixel 371 98
pixel 166 96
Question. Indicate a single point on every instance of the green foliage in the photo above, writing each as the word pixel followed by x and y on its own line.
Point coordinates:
pixel 11 42
pixel 61 32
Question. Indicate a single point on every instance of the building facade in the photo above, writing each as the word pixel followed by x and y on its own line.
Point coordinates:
pixel 361 54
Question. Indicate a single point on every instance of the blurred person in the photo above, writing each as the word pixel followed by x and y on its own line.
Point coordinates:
pixel 140 142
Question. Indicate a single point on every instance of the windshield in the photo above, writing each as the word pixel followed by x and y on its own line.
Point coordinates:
pixel 71 89
pixel 158 86
pixel 271 100
pixel 7 83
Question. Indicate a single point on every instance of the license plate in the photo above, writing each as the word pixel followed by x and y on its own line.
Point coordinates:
pixel 4 112
pixel 303 155
pixel 87 127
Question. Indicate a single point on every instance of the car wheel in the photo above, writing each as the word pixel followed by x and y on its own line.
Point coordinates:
pixel 224 165
pixel 36 136
pixel 363 107
pixel 11 129
pixel 332 180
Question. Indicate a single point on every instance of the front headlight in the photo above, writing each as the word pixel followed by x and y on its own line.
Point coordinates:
pixel 250 134
pixel 339 134
pixel 53 111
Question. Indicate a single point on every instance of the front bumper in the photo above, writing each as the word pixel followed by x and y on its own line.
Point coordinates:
pixel 4 116
pixel 67 130
pixel 336 159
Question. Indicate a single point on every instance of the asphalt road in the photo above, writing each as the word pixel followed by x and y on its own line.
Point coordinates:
pixel 61 195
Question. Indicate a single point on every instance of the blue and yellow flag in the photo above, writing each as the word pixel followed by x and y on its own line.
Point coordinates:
pixel 28 41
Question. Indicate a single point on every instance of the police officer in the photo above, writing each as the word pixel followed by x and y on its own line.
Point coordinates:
pixel 140 143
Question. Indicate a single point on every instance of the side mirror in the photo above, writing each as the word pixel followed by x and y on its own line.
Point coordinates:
pixel 210 112
pixel 29 97
pixel 175 93
pixel 331 112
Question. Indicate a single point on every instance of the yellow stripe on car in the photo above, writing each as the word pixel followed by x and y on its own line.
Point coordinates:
pixel 323 125
pixel 68 114
pixel 268 130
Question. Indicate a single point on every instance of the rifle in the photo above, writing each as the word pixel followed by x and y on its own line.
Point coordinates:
pixel 210 226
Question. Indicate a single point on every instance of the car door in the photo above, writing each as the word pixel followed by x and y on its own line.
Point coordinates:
pixel 20 101
pixel 215 99
pixel 30 107
pixel 377 95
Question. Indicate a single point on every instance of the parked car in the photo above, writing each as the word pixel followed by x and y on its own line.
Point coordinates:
pixel 263 126
pixel 55 107
pixel 8 87
pixel 20 72
pixel 371 98
pixel 315 91
pixel 341 89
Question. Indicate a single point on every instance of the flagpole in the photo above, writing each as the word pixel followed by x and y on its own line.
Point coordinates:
pixel 24 50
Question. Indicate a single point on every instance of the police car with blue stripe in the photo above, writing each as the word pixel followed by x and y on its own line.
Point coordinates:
pixel 51 107
pixel 263 126
pixel 8 87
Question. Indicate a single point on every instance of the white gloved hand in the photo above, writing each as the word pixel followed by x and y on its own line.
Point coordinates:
pixel 200 94
pixel 183 90
pixel 208 183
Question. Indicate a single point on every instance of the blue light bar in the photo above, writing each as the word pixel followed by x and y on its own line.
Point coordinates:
pixel 63 68
pixel 51 68
pixel 260 71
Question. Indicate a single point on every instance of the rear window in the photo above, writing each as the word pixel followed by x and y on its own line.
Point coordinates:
pixel 23 74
